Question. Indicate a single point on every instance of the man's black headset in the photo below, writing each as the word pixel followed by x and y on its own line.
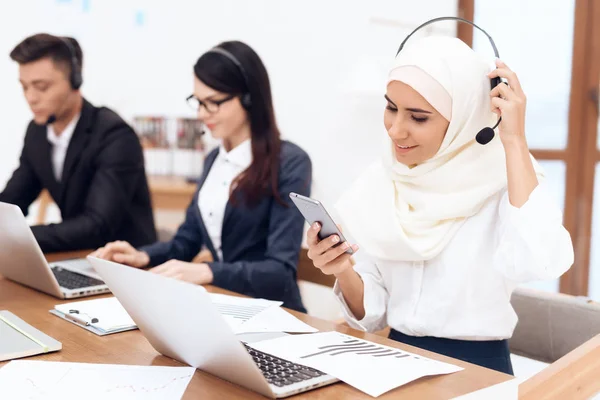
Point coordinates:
pixel 486 134
pixel 75 76
pixel 245 99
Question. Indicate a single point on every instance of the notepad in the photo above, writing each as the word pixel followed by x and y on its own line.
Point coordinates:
pixel 100 316
pixel 19 339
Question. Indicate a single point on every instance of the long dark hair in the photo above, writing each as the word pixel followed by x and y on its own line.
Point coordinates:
pixel 223 75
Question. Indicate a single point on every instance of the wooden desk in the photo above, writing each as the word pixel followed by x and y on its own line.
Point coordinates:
pixel 171 193
pixel 132 348
pixel 67 255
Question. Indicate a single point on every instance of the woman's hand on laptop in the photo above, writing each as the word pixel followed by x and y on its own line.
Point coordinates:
pixel 197 273
pixel 123 253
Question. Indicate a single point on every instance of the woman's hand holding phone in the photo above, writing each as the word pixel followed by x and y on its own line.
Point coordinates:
pixel 327 254
pixel 331 258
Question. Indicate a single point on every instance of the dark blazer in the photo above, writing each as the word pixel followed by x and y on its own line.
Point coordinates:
pixel 260 245
pixel 103 194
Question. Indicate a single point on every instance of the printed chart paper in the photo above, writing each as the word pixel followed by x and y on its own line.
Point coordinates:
pixel 43 380
pixel 369 367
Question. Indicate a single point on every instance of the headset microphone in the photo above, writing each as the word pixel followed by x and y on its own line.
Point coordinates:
pixel 51 119
pixel 486 134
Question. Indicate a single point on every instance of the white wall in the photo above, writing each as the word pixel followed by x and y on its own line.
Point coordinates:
pixel 327 61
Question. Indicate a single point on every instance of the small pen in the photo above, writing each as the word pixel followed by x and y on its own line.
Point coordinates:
pixel 77 320
pixel 71 316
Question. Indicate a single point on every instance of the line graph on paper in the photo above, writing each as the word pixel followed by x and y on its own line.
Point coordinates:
pixel 37 380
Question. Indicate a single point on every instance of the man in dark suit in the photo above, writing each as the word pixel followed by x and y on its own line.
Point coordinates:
pixel 88 158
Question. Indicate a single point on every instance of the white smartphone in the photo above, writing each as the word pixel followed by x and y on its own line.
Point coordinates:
pixel 313 211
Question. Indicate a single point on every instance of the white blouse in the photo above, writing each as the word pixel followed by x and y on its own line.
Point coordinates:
pixel 214 194
pixel 464 292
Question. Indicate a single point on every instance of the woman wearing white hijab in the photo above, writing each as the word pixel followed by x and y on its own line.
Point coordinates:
pixel 447 227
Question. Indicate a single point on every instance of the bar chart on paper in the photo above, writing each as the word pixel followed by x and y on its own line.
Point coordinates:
pixel 246 315
pixel 37 380
pixel 368 366
pixel 239 313
pixel 237 310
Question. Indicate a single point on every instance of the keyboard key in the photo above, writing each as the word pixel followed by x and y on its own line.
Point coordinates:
pixel 312 372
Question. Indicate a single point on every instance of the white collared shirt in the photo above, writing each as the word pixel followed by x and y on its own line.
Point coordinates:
pixel 215 191
pixel 60 145
pixel 464 292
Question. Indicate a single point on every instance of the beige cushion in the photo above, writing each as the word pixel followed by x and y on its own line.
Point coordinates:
pixel 552 324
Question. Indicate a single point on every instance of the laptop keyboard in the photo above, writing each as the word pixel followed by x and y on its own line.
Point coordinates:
pixel 280 372
pixel 73 280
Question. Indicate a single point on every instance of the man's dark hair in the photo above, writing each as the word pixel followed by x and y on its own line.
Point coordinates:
pixel 44 45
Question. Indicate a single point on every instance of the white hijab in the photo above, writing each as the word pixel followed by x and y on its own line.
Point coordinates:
pixel 409 214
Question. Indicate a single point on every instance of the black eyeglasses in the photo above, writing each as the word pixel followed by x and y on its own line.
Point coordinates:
pixel 211 106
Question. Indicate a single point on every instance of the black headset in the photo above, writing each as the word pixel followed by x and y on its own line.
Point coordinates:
pixel 75 77
pixel 486 134
pixel 245 99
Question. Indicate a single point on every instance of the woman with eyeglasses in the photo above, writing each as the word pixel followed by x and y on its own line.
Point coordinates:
pixel 241 212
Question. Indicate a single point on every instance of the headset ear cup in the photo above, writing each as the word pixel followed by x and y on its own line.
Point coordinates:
pixel 246 101
pixel 76 78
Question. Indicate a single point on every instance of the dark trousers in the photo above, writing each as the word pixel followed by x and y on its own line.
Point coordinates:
pixel 493 354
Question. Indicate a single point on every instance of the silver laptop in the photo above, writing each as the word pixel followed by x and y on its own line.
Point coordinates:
pixel 180 321
pixel 22 261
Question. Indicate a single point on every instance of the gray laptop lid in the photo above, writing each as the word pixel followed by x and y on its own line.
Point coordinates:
pixel 180 321
pixel 21 258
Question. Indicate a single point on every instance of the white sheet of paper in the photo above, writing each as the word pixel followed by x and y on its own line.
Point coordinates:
pixel 237 310
pixel 274 319
pixel 41 380
pixel 110 313
pixel 369 367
